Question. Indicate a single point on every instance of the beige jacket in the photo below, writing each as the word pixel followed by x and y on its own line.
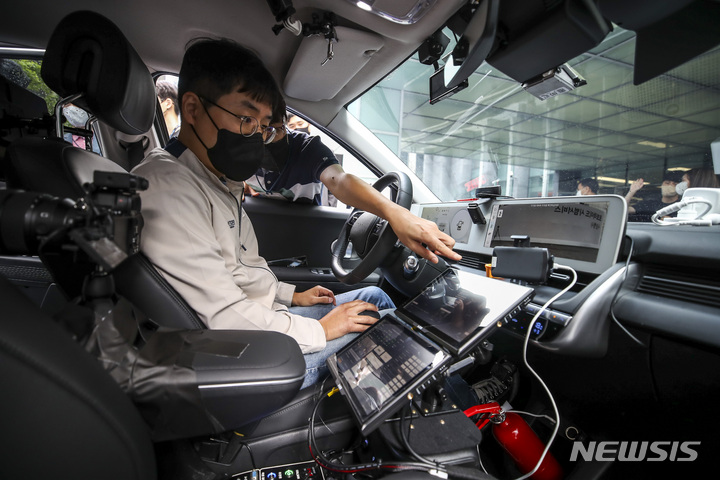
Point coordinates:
pixel 195 238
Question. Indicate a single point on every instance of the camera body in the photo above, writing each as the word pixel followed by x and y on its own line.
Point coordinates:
pixel 105 223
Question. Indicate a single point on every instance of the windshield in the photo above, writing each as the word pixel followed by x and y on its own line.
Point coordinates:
pixel 495 133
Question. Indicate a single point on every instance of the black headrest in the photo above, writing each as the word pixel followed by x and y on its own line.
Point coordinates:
pixel 53 167
pixel 88 54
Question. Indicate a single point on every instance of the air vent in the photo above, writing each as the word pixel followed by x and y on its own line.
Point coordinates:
pixel 681 284
pixel 471 260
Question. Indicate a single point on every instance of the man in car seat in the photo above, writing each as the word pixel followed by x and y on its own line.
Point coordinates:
pixel 195 231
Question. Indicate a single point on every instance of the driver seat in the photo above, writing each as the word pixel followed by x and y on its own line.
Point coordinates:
pixel 89 61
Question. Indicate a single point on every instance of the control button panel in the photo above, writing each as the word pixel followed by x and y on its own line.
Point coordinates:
pixel 321 271
pixel 296 471
pixel 546 327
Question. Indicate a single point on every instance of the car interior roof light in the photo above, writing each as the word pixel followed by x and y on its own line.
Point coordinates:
pixel 404 12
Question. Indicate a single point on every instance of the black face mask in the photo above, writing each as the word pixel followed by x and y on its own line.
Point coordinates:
pixel 276 155
pixel 304 130
pixel 234 155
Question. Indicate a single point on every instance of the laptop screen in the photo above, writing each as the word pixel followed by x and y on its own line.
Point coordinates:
pixel 458 305
pixel 406 351
pixel 376 370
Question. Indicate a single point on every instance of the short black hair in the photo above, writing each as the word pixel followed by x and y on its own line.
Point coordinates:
pixel 673 176
pixel 167 90
pixel 280 114
pixel 212 68
pixel 591 183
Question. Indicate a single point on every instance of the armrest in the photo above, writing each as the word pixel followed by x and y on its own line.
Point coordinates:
pixel 198 382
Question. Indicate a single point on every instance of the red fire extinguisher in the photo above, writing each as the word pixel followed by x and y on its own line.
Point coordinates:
pixel 518 440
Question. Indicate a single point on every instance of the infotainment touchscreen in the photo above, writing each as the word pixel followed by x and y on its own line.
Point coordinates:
pixel 584 232
pixel 398 354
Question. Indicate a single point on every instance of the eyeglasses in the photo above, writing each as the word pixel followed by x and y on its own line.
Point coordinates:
pixel 281 132
pixel 249 125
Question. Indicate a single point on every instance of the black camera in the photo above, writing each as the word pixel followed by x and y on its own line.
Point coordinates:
pixel 105 223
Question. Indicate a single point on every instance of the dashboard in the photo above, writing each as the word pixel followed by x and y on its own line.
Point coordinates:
pixel 584 233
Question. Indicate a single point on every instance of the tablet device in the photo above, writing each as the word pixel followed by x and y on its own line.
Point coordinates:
pixel 459 308
pixel 409 349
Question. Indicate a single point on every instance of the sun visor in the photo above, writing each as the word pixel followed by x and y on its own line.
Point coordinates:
pixel 308 79
pixel 549 40
pixel 674 40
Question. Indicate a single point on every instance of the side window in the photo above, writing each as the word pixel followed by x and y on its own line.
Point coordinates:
pixel 79 129
pixel 25 73
pixel 37 103
pixel 167 93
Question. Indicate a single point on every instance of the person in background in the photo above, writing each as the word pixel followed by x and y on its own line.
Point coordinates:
pixel 298 124
pixel 168 97
pixel 643 210
pixel 587 186
pixel 698 178
pixel 302 165
pixel 292 167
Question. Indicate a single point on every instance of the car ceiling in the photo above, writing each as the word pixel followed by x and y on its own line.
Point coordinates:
pixel 611 120
pixel 160 29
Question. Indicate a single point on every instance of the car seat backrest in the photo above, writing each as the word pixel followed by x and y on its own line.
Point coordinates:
pixel 138 280
pixel 63 415
pixel 90 61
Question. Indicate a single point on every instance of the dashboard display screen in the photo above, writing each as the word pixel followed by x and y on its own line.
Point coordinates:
pixel 567 230
pixel 584 233
pixel 453 220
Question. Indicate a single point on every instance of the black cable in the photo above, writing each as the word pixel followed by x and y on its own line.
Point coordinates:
pixel 321 460
pixel 252 457
pixel 406 440
pixel 59 233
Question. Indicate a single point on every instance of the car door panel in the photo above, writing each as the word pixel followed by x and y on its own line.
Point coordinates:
pixel 288 230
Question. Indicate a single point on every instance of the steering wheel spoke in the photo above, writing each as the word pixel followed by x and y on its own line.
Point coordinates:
pixel 354 217
pixel 371 236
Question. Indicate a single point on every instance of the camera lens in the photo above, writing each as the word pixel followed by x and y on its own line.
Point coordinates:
pixel 27 217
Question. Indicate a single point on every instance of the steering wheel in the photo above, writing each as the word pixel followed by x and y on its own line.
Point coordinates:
pixel 372 238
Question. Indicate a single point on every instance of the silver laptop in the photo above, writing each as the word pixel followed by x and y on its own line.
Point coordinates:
pixel 406 351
